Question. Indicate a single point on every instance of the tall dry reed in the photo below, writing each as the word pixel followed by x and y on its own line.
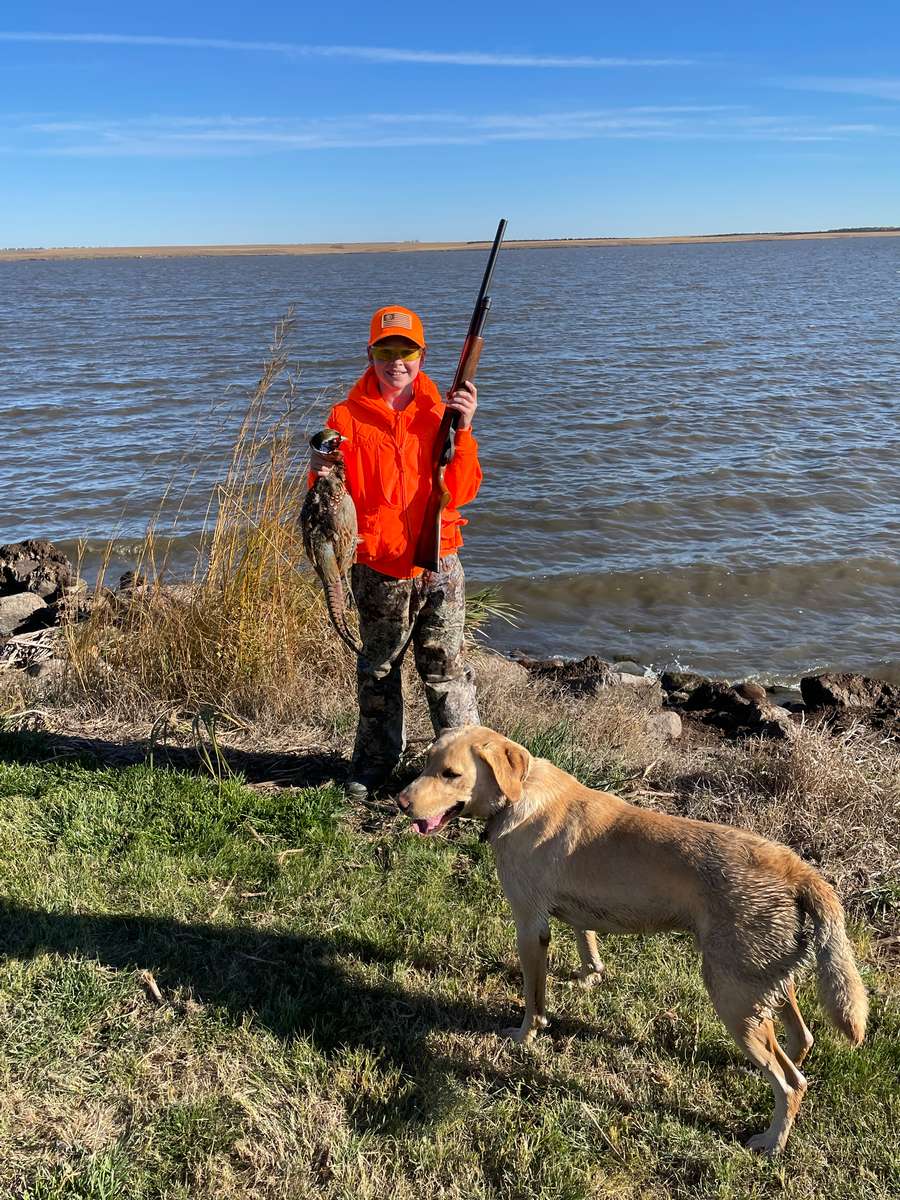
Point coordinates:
pixel 247 634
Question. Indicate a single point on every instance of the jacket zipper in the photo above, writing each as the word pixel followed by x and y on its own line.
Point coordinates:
pixel 399 448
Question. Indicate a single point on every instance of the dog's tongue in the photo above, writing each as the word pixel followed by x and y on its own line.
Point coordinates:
pixel 428 824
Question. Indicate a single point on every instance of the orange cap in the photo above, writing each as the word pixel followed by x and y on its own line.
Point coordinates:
pixel 395 321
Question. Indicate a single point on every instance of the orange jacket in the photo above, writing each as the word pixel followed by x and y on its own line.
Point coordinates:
pixel 389 458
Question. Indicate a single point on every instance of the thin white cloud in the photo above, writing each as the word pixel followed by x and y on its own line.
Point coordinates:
pixel 376 54
pixel 186 136
pixel 877 87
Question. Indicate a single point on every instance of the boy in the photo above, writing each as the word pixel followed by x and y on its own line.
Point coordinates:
pixel 390 422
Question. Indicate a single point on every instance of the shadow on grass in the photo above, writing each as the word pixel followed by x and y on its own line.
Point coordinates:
pixel 309 987
pixel 307 768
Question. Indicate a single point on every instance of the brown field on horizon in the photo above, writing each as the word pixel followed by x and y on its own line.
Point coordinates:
pixel 76 252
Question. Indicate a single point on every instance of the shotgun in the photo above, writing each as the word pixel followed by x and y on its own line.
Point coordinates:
pixel 428 547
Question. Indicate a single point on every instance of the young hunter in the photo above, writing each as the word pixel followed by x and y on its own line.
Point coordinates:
pixel 390 422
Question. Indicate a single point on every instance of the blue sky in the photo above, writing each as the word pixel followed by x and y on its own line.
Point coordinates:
pixel 286 122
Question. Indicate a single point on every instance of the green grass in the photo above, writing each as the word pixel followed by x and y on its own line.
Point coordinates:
pixel 328 1024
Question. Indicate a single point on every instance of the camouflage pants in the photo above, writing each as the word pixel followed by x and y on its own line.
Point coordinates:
pixel 428 611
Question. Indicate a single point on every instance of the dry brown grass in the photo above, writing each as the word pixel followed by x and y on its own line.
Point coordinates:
pixel 17 692
pixel 248 636
pixel 607 729
pixel 835 800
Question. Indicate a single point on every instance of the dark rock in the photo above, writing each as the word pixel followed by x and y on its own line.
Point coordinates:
pixel 129 581
pixel 682 682
pixel 719 696
pixel 716 703
pixel 36 566
pixel 843 690
pixel 841 700
pixel 840 721
pixel 583 677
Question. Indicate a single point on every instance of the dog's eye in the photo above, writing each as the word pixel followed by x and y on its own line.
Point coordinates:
pixel 449 773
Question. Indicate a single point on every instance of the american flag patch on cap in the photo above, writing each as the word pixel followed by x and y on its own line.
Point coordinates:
pixel 399 320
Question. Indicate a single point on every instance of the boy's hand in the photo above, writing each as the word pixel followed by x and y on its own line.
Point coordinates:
pixel 321 464
pixel 464 401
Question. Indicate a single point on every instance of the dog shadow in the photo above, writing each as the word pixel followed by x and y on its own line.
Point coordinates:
pixel 296 985
pixel 301 986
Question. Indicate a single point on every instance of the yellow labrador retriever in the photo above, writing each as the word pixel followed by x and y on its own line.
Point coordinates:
pixel 757 911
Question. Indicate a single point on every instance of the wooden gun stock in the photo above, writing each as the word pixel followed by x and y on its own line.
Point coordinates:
pixel 469 364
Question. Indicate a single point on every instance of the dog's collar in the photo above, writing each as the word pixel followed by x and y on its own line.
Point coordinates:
pixel 493 822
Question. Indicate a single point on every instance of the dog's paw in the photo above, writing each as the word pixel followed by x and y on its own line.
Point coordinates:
pixel 523 1034
pixel 513 1033
pixel 763 1143
pixel 591 977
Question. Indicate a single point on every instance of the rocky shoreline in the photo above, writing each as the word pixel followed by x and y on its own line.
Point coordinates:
pixel 736 710
pixel 40 592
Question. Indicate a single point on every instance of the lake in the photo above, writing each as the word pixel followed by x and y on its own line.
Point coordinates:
pixel 691 452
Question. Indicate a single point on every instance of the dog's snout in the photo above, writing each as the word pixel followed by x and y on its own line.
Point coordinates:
pixel 403 801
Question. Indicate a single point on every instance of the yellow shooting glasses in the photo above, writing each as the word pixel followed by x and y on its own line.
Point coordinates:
pixel 389 353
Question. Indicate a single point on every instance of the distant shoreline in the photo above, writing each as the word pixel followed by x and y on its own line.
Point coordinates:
pixel 77 252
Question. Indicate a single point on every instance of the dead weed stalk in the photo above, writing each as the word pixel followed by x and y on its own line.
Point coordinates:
pixel 248 634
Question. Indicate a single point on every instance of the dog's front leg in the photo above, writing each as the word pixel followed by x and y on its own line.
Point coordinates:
pixel 533 937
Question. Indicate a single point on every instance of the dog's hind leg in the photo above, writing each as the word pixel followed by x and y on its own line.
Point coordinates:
pixel 591 967
pixel 533 937
pixel 755 1034
pixel 798 1040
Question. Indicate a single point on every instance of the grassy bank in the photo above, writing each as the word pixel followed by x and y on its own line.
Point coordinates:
pixel 216 990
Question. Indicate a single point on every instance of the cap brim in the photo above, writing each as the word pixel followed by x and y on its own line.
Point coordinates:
pixel 396 331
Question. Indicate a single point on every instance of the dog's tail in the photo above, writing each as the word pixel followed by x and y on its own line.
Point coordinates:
pixel 841 990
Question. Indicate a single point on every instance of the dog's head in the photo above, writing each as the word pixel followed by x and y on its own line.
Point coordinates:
pixel 472 772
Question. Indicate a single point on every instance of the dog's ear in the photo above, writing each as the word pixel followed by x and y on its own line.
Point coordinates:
pixel 510 764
